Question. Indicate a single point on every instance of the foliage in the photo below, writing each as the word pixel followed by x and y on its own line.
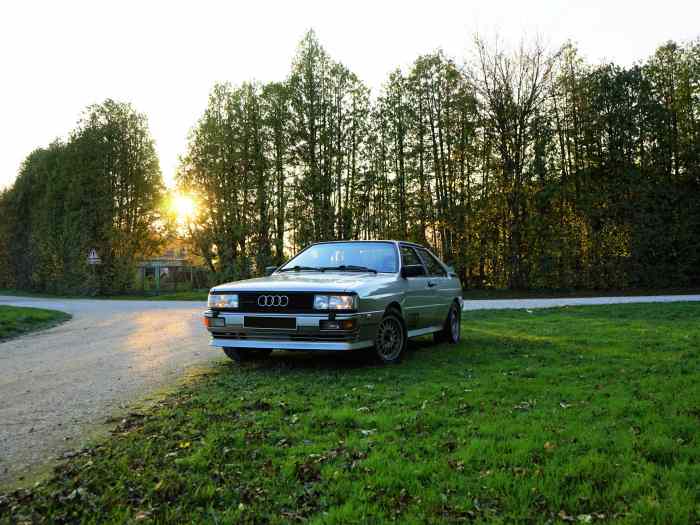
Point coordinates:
pixel 526 169
pixel 561 415
pixel 97 190
pixel 523 168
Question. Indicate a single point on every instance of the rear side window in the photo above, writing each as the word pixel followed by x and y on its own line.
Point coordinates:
pixel 432 264
pixel 409 257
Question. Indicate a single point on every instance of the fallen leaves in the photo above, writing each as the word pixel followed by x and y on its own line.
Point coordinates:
pixel 526 405
pixel 308 471
pixel 258 405
pixel 456 465
pixel 78 493
pixel 549 446
pixel 580 518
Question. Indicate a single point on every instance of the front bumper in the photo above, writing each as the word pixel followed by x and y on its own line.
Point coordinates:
pixel 307 336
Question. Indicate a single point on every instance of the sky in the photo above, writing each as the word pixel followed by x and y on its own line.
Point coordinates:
pixel 57 57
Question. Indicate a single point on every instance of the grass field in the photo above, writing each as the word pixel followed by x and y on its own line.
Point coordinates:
pixel 585 415
pixel 16 321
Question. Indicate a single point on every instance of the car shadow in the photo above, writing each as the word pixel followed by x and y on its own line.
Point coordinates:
pixel 320 360
pixel 316 360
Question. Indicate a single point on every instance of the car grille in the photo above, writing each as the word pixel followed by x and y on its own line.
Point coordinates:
pixel 299 302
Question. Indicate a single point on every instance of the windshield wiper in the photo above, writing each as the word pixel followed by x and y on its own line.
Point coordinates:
pixel 350 268
pixel 302 269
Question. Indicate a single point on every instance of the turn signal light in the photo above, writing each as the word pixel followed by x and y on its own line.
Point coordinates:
pixel 213 321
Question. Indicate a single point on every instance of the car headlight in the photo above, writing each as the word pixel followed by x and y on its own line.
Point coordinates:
pixel 335 302
pixel 223 301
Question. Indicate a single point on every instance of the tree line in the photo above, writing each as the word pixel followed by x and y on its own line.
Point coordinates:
pixel 524 168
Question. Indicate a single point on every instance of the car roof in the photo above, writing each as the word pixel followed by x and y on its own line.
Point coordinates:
pixel 394 241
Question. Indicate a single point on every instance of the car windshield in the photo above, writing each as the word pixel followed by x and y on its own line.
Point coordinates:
pixel 346 256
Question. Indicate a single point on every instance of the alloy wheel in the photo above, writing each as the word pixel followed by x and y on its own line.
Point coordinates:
pixel 390 339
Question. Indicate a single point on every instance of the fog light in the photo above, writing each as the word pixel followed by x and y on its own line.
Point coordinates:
pixel 344 324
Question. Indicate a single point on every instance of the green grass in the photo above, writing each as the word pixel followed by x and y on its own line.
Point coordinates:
pixel 587 414
pixel 16 321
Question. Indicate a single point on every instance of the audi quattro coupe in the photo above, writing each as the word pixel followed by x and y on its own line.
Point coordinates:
pixel 344 295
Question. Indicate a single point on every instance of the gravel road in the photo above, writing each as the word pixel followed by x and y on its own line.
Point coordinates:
pixel 57 384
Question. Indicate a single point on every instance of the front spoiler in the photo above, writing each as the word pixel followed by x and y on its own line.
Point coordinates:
pixel 289 345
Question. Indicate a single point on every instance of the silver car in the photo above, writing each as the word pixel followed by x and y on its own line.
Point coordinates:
pixel 344 295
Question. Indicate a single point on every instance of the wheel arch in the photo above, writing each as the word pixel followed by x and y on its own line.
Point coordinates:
pixel 395 306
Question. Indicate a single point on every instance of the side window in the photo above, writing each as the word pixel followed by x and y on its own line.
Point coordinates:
pixel 409 257
pixel 433 265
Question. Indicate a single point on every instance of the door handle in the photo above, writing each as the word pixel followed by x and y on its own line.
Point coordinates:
pixel 431 284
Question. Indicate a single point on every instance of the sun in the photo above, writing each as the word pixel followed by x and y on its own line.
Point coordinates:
pixel 184 207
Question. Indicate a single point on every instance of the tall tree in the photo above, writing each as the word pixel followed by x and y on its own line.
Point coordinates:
pixel 512 89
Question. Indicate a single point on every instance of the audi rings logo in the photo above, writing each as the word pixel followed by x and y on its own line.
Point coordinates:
pixel 273 300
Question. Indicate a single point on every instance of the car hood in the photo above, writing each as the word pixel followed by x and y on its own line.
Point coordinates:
pixel 307 282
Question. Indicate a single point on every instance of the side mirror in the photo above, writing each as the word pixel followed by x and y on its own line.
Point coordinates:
pixel 412 270
pixel 269 270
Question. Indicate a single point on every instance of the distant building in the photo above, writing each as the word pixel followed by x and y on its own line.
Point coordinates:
pixel 175 254
pixel 174 264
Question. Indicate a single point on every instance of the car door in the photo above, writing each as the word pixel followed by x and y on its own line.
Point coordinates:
pixel 439 283
pixel 417 311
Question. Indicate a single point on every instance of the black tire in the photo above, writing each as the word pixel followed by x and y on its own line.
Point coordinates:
pixel 245 354
pixel 452 329
pixel 391 338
